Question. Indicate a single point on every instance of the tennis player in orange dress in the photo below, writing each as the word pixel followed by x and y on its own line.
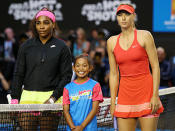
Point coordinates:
pixel 130 54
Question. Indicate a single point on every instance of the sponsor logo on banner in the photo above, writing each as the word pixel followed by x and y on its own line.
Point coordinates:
pixel 25 11
pixel 172 9
pixel 103 11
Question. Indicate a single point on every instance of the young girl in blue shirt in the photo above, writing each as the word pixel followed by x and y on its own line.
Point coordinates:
pixel 81 97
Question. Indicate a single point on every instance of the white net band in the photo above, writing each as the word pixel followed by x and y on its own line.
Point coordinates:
pixel 54 107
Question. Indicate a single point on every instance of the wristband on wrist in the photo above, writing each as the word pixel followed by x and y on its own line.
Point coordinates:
pixel 14 101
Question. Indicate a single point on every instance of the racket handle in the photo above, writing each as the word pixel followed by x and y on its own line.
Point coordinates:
pixel 9 98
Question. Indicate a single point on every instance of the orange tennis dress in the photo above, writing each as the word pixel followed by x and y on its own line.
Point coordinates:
pixel 136 82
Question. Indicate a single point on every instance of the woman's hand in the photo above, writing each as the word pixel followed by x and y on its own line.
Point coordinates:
pixel 51 100
pixel 112 110
pixel 47 102
pixel 154 104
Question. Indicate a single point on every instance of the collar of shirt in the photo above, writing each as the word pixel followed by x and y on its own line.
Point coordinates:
pixel 38 41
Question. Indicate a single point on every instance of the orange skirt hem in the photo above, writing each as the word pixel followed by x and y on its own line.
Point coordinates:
pixel 136 114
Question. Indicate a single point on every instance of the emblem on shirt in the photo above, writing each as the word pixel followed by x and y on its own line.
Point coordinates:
pixel 52 46
pixel 86 94
pixel 134 46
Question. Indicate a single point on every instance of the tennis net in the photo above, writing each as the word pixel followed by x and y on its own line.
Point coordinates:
pixel 45 117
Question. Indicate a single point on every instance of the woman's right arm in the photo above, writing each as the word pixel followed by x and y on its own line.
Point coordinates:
pixel 19 74
pixel 4 82
pixel 113 74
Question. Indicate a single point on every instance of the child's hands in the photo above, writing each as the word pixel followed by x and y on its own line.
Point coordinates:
pixel 78 128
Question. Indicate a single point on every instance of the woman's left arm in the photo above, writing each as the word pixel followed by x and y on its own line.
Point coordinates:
pixel 153 59
pixel 65 74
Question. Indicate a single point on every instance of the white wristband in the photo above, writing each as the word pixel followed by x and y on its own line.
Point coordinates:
pixel 51 101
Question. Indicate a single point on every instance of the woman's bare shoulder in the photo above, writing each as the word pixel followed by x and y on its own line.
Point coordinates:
pixel 144 38
pixel 111 42
pixel 143 33
pixel 113 38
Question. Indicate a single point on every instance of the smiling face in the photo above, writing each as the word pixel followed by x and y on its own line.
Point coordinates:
pixel 44 27
pixel 82 68
pixel 125 19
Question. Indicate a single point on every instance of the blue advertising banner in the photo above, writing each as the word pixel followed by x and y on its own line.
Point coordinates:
pixel 164 16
